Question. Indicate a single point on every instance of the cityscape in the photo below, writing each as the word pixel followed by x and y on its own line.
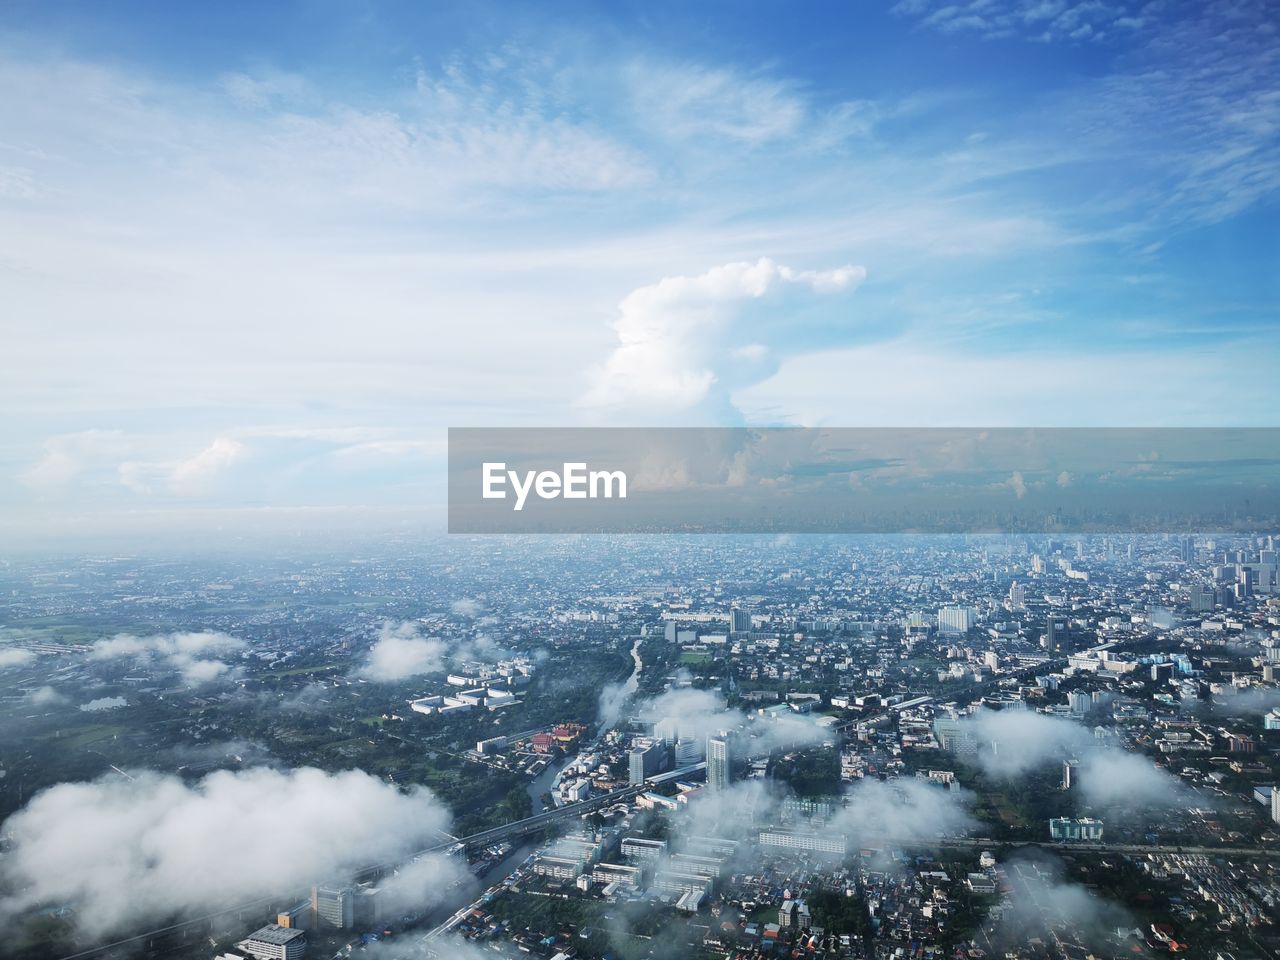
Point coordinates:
pixel 639 480
pixel 667 746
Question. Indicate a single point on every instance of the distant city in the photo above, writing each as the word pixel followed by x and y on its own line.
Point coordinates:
pixel 593 747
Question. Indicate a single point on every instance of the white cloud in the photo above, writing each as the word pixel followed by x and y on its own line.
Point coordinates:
pixel 127 851
pixel 1018 741
pixel 192 476
pixel 1138 389
pixel 45 696
pixel 906 810
pixel 703 713
pixel 15 657
pixel 191 654
pixel 682 337
pixel 693 102
pixel 67 456
pixel 401 652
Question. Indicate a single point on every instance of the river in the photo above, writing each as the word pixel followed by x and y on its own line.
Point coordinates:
pixel 544 781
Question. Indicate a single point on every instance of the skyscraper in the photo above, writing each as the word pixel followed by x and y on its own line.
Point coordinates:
pixel 646 759
pixel 739 620
pixel 1056 632
pixel 334 906
pixel 719 769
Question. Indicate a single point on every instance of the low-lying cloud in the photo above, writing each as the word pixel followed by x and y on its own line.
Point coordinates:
pixel 1041 902
pixel 1015 742
pixel 15 657
pixel 402 651
pixel 703 713
pixel 125 851
pixel 902 811
pixel 194 655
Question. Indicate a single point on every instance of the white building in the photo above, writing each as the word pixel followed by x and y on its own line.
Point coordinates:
pixel 274 942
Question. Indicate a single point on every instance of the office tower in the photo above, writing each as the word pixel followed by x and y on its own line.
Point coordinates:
pixel 955 736
pixel 1201 598
pixel 1056 634
pixel 1275 804
pixel 334 906
pixel 669 631
pixel 1187 548
pixel 1017 596
pixel 739 620
pixel 646 759
pixel 1037 564
pixel 688 752
pixel 719 762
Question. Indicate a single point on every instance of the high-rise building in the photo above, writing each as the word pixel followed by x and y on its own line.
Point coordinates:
pixel 1070 774
pixel 334 906
pixel 1201 598
pixel 955 736
pixel 719 762
pixel 1017 596
pixel 1056 633
pixel 956 619
pixel 1275 804
pixel 646 759
pixel 739 620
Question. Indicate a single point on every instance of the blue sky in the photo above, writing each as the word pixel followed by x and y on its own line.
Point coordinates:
pixel 258 257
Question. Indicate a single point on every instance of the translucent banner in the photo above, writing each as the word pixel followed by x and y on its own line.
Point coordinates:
pixel 862 480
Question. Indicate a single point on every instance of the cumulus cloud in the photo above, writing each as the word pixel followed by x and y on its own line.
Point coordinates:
pixel 194 655
pixel 192 476
pixel 906 810
pixel 687 341
pixel 1015 742
pixel 703 713
pixel 401 651
pixel 1248 702
pixel 733 813
pixel 424 882
pixel 465 607
pixel 124 851
pixel 1041 902
pixel 67 456
pixel 45 696
pixel 15 657
pixel 613 697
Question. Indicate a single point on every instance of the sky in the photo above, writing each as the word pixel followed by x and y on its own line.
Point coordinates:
pixel 256 259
